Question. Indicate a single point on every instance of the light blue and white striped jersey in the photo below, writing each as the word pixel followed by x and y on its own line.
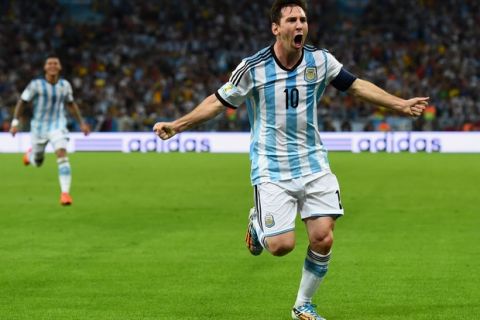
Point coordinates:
pixel 48 104
pixel 282 108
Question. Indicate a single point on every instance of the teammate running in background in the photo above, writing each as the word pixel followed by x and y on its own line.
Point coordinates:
pixel 49 124
pixel 282 86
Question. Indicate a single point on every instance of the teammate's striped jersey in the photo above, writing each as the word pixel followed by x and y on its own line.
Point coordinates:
pixel 282 109
pixel 48 104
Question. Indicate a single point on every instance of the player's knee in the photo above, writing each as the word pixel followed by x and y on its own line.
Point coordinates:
pixel 322 242
pixel 281 247
pixel 61 153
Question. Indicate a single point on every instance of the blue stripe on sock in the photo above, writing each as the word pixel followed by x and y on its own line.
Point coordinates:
pixel 317 269
pixel 64 171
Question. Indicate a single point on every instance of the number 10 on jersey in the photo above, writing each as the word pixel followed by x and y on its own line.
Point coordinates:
pixel 291 97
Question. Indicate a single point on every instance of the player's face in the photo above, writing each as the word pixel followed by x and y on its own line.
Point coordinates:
pixel 293 28
pixel 52 66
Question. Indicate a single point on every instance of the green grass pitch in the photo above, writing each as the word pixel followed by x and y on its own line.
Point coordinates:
pixel 160 236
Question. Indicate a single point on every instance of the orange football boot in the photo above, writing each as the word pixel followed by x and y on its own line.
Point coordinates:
pixel 26 157
pixel 65 199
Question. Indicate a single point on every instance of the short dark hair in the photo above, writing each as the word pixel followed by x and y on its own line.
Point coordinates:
pixel 278 5
pixel 52 55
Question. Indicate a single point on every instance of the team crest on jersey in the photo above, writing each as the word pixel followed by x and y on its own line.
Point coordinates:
pixel 229 89
pixel 310 74
pixel 269 221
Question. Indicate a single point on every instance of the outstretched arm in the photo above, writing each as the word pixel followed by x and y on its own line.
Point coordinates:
pixel 75 110
pixel 206 110
pixel 369 92
pixel 16 115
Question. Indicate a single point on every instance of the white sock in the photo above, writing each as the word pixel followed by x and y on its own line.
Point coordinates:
pixel 31 157
pixel 64 174
pixel 314 270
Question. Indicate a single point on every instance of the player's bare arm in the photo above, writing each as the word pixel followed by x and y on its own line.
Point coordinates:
pixel 369 92
pixel 75 110
pixel 16 116
pixel 209 108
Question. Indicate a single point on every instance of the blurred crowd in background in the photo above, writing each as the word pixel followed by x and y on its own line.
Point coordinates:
pixel 133 63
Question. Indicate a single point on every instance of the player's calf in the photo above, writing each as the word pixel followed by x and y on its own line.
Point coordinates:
pixel 281 245
pixel 38 159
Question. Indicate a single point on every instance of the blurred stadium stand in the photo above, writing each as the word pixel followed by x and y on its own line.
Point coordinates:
pixel 133 63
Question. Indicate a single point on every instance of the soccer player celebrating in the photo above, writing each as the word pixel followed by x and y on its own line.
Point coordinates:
pixel 282 86
pixel 49 124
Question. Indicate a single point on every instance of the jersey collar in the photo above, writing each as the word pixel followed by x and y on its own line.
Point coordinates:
pixel 280 64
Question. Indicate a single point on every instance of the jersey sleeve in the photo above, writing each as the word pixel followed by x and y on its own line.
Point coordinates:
pixel 233 93
pixel 30 92
pixel 69 96
pixel 333 67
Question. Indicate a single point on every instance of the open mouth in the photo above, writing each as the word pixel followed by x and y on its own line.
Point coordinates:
pixel 298 40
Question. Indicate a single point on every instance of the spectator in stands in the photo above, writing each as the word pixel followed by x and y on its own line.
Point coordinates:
pixel 135 52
